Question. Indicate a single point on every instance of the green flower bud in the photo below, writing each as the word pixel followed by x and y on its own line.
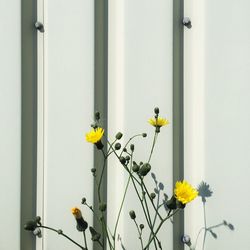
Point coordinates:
pixel 132 147
pixel 102 207
pixel 132 214
pixel 81 224
pixel 117 146
pixel 180 204
pixel 156 110
pixel 145 168
pixel 144 135
pixel 141 226
pixel 135 167
pixel 122 160
pixel 83 200
pixel 127 158
pixel 99 145
pixel 124 150
pixel 95 236
pixel 152 195
pixel 171 204
pixel 118 135
pixel 157 129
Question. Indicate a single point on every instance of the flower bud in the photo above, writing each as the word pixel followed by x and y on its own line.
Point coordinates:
pixel 145 168
pixel 132 214
pixel 132 147
pixel 117 146
pixel 122 160
pixel 83 200
pixel 144 135
pixel 118 135
pixel 95 236
pixel 81 224
pixel 152 195
pixel 135 167
pixel 141 226
pixel 156 110
pixel 171 204
pixel 127 158
pixel 99 145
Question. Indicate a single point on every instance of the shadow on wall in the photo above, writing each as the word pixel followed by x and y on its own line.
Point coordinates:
pixel 205 192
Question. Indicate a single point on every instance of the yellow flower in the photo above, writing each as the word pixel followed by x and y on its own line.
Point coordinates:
pixel 76 212
pixel 184 192
pixel 95 135
pixel 158 122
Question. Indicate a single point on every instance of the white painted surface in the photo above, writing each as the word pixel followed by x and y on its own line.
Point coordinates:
pixel 10 127
pixel 217 117
pixel 68 111
pixel 140 78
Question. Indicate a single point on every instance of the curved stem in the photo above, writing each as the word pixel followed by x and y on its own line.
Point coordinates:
pixel 130 139
pixel 64 235
pixel 153 145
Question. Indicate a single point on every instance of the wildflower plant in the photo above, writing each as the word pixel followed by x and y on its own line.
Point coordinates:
pixel 154 216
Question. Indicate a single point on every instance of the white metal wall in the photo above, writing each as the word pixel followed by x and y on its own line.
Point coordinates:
pixel 66 67
pixel 10 126
pixel 217 115
pixel 140 78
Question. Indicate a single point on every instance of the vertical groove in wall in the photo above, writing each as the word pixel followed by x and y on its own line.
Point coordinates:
pixel 178 140
pixel 29 119
pixel 101 93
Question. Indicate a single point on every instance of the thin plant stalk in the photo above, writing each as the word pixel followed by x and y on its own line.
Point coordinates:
pixel 64 235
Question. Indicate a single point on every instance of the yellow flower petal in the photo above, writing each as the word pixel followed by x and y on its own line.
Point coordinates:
pixel 76 212
pixel 95 135
pixel 158 122
pixel 184 192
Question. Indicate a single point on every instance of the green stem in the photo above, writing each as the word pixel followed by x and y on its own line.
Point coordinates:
pixel 144 186
pixel 64 235
pixel 140 234
pixel 148 214
pixel 155 217
pixel 130 139
pixel 153 145
pixel 159 227
pixel 120 209
pixel 85 240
